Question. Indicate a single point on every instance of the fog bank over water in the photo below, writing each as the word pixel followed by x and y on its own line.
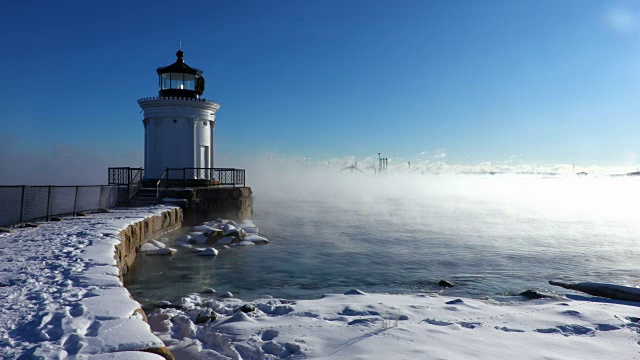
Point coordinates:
pixel 560 196
pixel 494 235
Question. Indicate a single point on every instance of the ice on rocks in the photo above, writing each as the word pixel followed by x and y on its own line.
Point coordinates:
pixel 208 252
pixel 203 229
pixel 256 239
pixel 157 243
pixel 163 251
pixel 244 243
pixel 148 247
pixel 226 240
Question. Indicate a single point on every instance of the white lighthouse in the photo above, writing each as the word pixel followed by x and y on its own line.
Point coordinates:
pixel 178 124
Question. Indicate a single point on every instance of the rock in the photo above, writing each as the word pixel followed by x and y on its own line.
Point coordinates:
pixel 244 243
pixel 209 291
pixel 246 308
pixel 105 210
pixel 235 233
pixel 81 213
pixel 6 230
pixel 206 315
pixel 256 239
pixel 148 247
pixel 184 238
pixel 226 295
pixel 355 292
pixel 55 218
pixel 227 228
pixel 610 291
pixel 157 243
pixel 455 301
pixel 446 283
pixel 201 239
pixel 533 294
pixel 163 251
pixel 182 244
pixel 161 351
pixel 203 229
pixel 208 252
pixel 227 240
pixel 29 225
pixel 197 250
pixel 231 222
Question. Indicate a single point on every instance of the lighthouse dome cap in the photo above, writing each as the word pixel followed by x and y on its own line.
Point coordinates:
pixel 178 67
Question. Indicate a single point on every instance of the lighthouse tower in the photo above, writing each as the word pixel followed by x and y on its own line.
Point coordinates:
pixel 178 124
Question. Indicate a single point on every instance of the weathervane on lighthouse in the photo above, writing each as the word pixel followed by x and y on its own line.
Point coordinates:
pixel 178 124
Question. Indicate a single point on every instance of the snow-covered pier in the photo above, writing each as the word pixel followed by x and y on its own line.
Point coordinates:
pixel 62 292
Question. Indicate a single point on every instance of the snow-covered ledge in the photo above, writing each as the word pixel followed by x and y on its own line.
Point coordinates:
pixel 62 292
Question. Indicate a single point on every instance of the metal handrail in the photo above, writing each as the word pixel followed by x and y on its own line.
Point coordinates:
pixel 220 176
pixel 165 173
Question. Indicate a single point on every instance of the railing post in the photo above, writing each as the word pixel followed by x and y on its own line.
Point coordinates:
pixel 75 201
pixel 22 204
pixel 48 202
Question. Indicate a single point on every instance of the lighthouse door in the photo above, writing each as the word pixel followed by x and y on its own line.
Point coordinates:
pixel 203 162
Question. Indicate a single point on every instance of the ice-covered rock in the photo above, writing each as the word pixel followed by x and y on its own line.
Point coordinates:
pixel 148 247
pixel 203 229
pixel 244 243
pixel 226 295
pixel 226 240
pixel 197 249
pixel 201 239
pixel 227 228
pixel 208 252
pixel 157 243
pixel 184 238
pixel 163 251
pixel 182 244
pixel 206 315
pixel 256 239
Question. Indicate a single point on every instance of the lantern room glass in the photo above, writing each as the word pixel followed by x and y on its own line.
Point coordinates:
pixel 180 81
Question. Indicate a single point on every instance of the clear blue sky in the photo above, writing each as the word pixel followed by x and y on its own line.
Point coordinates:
pixel 539 81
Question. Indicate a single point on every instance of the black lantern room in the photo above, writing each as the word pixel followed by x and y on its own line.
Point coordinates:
pixel 180 79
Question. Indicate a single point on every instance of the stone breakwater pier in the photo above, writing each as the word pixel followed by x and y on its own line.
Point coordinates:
pixel 61 286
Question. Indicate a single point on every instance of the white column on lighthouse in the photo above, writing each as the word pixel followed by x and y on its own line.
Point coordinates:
pixel 178 123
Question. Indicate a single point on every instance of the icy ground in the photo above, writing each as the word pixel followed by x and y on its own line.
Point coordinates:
pixel 419 326
pixel 60 295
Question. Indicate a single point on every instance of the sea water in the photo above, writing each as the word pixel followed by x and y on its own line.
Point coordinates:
pixel 493 236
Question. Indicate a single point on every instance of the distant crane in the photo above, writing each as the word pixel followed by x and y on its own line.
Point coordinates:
pixel 352 168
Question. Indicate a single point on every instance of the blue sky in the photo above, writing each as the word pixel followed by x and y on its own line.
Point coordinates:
pixel 461 82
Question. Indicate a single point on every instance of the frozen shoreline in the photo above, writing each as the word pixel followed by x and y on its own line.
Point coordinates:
pixel 420 326
pixel 65 300
pixel 61 292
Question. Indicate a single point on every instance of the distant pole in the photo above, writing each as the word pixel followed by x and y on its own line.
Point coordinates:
pixel 379 162
pixel 409 162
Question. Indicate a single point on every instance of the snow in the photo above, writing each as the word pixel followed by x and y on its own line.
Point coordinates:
pixel 61 294
pixel 62 298
pixel 412 326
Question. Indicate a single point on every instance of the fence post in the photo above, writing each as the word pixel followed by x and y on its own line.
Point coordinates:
pixel 75 202
pixel 22 204
pixel 48 202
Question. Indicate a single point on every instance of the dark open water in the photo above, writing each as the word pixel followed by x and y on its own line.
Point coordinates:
pixel 493 236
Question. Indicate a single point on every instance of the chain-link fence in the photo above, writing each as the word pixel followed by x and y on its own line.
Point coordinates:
pixel 26 203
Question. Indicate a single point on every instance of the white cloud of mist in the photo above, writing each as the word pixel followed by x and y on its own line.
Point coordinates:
pixel 277 181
